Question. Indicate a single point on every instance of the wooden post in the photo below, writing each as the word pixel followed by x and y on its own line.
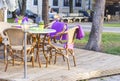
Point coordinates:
pixel 1 20
pixel 1 14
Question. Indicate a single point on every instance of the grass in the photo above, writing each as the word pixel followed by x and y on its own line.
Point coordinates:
pixel 111 25
pixel 10 20
pixel 110 43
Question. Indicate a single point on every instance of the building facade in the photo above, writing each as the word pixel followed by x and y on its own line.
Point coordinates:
pixel 60 6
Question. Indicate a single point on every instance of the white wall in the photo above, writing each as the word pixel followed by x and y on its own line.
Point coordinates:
pixel 34 8
pixel 62 9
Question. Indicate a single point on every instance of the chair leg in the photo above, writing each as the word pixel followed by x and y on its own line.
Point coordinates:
pixel 68 63
pixel 72 53
pixel 5 52
pixel 55 57
pixel 10 53
pixel 39 61
pixel 74 60
pixel 6 64
pixel 37 55
pixel 22 57
pixel 13 60
pixel 32 61
pixel 47 61
pixel 32 58
pixel 50 55
pixel 63 58
pixel 44 51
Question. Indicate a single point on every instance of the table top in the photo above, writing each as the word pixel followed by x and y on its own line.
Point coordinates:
pixel 37 30
pixel 19 25
pixel 33 28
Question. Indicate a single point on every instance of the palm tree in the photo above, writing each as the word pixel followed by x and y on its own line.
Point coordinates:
pixel 95 36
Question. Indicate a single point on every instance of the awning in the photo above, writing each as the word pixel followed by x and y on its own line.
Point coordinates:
pixel 11 5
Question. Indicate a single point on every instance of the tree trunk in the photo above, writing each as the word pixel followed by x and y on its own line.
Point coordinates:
pixel 1 15
pixel 20 4
pixel 45 11
pixel 94 41
pixel 23 7
pixel 71 6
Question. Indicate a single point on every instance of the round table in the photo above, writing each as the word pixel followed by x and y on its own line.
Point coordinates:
pixel 38 32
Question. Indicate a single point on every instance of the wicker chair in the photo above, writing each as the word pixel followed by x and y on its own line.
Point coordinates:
pixel 60 27
pixel 16 44
pixel 65 49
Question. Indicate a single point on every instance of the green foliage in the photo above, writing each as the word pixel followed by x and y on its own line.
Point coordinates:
pixel 112 25
pixel 84 40
pixel 110 43
pixel 41 23
pixel 10 20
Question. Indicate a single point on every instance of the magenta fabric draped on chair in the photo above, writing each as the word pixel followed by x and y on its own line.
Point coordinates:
pixel 59 26
pixel 80 33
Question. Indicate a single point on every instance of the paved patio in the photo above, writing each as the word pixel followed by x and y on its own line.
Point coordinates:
pixel 90 64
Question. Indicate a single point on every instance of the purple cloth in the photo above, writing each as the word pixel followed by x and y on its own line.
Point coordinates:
pixel 80 33
pixel 25 19
pixel 59 26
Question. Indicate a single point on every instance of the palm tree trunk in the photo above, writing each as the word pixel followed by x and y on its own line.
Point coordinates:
pixel 94 41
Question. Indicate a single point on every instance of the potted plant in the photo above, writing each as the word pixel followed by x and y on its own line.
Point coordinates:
pixel 41 25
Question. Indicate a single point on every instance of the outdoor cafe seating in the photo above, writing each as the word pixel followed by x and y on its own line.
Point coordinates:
pixel 64 49
pixel 44 38
pixel 16 43
pixel 57 33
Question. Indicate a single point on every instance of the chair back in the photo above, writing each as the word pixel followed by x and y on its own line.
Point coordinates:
pixel 59 27
pixel 71 34
pixel 15 36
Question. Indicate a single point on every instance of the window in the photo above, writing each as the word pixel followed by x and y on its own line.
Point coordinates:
pixel 78 3
pixel 35 2
pixel 55 2
pixel 66 2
